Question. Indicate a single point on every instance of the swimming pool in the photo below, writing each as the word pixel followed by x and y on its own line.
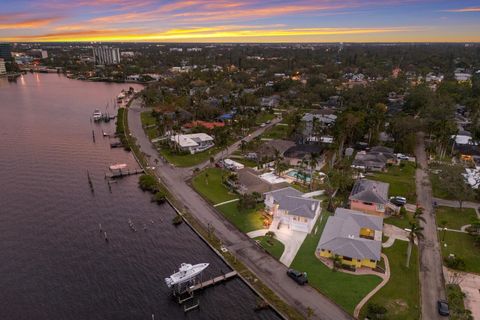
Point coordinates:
pixel 299 176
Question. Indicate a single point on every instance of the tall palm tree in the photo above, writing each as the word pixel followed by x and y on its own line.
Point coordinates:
pixel 415 233
pixel 277 159
pixel 312 163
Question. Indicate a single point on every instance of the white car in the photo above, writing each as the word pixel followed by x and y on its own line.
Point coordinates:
pixel 401 156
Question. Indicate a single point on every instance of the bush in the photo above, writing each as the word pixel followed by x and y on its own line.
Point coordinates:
pixel 454 262
pixel 376 311
pixel 148 183
pixel 456 304
pixel 159 197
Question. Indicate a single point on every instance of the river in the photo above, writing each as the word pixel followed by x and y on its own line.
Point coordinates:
pixel 54 262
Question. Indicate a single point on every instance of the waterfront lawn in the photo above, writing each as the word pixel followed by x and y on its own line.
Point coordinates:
pixel 454 217
pixel 275 248
pixel 462 246
pixel 246 220
pixel 400 296
pixel 150 122
pixel 401 179
pixel 276 132
pixel 212 187
pixel 399 221
pixel 188 160
pixel 345 289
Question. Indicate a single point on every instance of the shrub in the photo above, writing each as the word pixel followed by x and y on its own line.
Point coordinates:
pixel 376 311
pixel 148 183
pixel 454 262
pixel 159 197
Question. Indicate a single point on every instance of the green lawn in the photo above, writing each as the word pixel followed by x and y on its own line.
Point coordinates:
pixel 345 289
pixel 276 132
pixel 400 296
pixel 440 192
pixel 454 217
pixel 188 160
pixel 462 246
pixel 148 120
pixel 401 222
pixel 401 180
pixel 264 117
pixel 212 187
pixel 275 249
pixel 245 221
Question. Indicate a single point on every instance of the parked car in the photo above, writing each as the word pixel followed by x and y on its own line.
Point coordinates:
pixel 401 156
pixel 442 306
pixel 262 125
pixel 398 201
pixel 269 121
pixel 299 277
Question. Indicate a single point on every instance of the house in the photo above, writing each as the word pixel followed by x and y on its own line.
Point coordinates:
pixel 369 196
pixel 376 159
pixel 249 180
pixel 313 121
pixel 290 207
pixel 193 143
pixel 354 236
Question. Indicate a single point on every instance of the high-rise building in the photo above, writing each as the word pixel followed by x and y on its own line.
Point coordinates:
pixel 6 51
pixel 106 55
pixel 2 67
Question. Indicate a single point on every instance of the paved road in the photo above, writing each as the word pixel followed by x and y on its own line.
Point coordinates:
pixel 267 269
pixel 432 283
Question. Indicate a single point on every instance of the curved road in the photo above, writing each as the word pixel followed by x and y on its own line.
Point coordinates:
pixel 266 268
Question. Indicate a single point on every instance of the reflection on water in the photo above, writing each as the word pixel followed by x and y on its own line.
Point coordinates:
pixel 54 262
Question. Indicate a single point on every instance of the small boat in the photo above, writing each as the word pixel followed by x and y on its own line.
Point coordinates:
pixel 118 166
pixel 185 273
pixel 97 115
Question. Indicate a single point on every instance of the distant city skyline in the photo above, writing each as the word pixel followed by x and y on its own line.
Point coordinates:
pixel 240 21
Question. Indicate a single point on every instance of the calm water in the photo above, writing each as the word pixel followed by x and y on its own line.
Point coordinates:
pixel 54 262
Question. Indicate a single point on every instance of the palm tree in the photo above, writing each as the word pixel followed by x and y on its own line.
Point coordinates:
pixel 277 159
pixel 313 162
pixel 337 261
pixel 415 233
pixel 417 215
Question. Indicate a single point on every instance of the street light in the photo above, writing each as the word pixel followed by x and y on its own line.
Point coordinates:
pixel 444 231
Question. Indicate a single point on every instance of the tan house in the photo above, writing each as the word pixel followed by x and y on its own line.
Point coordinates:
pixel 355 237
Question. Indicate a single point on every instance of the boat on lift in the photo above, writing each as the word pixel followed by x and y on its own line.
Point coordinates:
pixel 185 273
pixel 97 115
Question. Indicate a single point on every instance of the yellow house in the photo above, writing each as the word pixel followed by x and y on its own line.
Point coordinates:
pixel 355 237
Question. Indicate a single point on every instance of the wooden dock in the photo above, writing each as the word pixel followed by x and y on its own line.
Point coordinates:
pixel 125 173
pixel 213 281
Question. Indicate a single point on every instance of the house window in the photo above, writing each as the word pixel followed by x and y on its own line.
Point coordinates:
pixel 367 203
pixel 347 258
pixel 305 220
pixel 373 261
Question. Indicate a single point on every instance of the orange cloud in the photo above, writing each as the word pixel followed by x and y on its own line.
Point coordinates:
pixel 220 33
pixel 27 24
pixel 468 9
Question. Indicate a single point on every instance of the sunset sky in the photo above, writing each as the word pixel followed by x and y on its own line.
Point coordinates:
pixel 240 20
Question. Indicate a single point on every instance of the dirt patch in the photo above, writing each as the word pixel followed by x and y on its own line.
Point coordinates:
pixel 397 306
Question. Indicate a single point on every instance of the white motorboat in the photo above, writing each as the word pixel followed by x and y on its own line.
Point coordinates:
pixel 118 166
pixel 97 115
pixel 185 273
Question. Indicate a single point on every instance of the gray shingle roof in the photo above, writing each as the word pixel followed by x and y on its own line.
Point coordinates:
pixel 341 235
pixel 370 191
pixel 291 200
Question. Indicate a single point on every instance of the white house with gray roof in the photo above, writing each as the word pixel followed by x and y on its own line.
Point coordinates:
pixel 354 236
pixel 292 208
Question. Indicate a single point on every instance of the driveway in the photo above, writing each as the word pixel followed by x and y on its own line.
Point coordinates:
pixel 432 283
pixel 292 240
pixel 266 268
